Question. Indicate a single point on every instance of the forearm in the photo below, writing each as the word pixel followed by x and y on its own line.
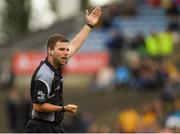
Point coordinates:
pixel 47 107
pixel 79 39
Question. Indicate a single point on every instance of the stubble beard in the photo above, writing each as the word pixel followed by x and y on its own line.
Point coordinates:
pixel 58 61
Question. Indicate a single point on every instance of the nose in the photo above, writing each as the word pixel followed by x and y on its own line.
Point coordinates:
pixel 66 52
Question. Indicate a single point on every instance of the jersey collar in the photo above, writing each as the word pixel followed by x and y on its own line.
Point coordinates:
pixel 57 71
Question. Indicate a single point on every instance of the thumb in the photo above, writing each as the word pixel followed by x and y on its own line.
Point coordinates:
pixel 87 12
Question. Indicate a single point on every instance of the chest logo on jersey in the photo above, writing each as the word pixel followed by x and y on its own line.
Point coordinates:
pixel 41 96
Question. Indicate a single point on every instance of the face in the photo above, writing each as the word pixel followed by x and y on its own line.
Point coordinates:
pixel 60 54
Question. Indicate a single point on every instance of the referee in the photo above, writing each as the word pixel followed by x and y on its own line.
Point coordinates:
pixel 47 81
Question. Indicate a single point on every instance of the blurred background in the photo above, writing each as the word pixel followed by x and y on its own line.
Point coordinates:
pixel 126 77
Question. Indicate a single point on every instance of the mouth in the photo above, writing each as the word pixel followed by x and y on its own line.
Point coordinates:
pixel 64 59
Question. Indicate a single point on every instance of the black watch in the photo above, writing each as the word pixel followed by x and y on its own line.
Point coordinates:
pixel 63 109
pixel 90 25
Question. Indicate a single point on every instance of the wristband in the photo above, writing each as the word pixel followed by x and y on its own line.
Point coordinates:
pixel 90 25
pixel 63 109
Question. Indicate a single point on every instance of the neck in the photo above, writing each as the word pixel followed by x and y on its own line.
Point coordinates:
pixel 51 60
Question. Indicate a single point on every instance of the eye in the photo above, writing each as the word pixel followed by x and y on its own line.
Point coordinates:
pixel 61 49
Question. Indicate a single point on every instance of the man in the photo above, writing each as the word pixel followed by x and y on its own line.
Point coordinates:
pixel 46 84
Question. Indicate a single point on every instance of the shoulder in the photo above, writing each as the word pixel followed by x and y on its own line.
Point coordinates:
pixel 45 73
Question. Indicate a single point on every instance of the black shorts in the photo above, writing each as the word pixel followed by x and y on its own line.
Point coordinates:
pixel 40 126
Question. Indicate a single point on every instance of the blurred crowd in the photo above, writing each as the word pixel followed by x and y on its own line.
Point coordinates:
pixel 157 116
pixel 140 61
pixel 144 62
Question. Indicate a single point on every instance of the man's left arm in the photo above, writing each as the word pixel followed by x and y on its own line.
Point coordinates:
pixel 79 39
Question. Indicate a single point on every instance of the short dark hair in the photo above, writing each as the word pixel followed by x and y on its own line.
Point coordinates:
pixel 51 42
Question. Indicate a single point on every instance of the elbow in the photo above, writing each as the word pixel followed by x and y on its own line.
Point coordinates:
pixel 38 107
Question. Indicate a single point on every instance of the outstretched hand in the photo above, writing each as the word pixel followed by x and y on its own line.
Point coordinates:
pixel 93 17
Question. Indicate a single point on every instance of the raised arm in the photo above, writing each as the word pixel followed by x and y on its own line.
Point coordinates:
pixel 91 19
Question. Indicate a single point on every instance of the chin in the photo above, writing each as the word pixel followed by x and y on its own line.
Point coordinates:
pixel 64 63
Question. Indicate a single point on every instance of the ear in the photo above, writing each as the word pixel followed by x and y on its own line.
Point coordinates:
pixel 50 51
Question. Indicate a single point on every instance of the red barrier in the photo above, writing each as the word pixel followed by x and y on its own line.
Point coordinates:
pixel 87 62
pixel 25 63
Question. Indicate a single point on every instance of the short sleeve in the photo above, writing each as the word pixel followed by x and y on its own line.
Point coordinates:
pixel 46 77
pixel 43 83
pixel 40 92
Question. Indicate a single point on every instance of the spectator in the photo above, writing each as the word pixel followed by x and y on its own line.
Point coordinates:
pixel 128 121
pixel 149 119
pixel 173 122
pixel 173 10
pixel 122 76
pixel 12 107
pixel 7 77
pixel 103 79
pixel 114 45
pixel 174 25
pixel 167 98
pixel 151 45
pixel 18 109
pixel 138 44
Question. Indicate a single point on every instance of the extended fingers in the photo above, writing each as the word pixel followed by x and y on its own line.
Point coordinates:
pixel 97 11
